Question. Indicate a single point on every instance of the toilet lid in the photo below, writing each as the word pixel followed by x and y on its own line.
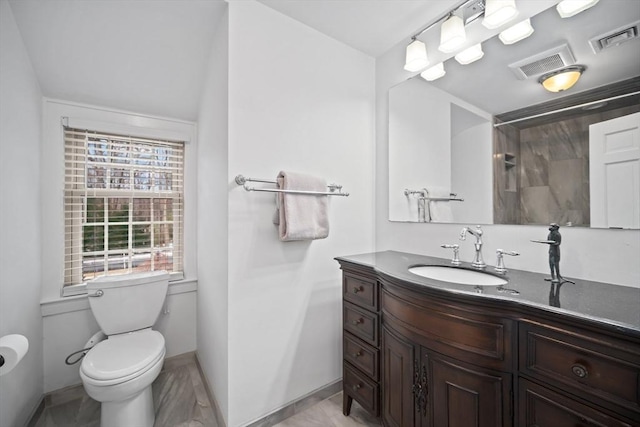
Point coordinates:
pixel 123 355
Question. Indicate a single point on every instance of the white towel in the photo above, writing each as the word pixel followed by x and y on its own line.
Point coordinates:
pixel 440 210
pixel 301 216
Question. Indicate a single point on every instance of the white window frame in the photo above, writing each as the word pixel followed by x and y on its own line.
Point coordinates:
pixel 53 171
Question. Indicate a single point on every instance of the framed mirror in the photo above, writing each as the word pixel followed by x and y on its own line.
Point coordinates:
pixel 503 149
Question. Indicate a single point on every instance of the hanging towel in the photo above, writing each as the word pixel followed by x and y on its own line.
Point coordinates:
pixel 301 216
pixel 440 210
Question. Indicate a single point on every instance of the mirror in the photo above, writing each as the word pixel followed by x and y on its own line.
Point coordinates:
pixel 540 170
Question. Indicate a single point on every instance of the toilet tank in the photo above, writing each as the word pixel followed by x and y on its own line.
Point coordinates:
pixel 129 302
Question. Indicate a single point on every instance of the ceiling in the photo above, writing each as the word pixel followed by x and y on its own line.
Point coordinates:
pixel 139 55
pixel 151 56
pixel 370 26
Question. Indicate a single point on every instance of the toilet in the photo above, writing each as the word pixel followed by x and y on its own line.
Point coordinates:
pixel 118 371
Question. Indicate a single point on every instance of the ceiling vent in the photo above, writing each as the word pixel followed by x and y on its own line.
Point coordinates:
pixel 615 37
pixel 544 62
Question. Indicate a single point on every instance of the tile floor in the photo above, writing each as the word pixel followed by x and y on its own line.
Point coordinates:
pixel 178 393
pixel 328 413
pixel 181 399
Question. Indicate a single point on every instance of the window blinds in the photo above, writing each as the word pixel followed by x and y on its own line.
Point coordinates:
pixel 123 205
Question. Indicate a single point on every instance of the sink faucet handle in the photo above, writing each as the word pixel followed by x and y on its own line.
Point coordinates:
pixel 456 250
pixel 500 268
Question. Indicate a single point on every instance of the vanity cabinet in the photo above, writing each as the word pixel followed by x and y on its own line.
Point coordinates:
pixel 415 356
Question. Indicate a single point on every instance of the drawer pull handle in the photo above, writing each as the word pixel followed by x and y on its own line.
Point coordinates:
pixel 358 321
pixel 357 289
pixel 358 354
pixel 357 387
pixel 579 371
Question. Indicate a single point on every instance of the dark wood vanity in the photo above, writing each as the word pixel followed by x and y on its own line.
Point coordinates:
pixel 419 352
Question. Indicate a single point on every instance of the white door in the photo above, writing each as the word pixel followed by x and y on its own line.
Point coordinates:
pixel 614 172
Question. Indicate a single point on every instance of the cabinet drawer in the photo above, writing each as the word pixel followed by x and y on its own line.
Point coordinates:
pixel 360 291
pixel 361 323
pixel 451 330
pixel 362 389
pixel 596 366
pixel 361 355
pixel 542 407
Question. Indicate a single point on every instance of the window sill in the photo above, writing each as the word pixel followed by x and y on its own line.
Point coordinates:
pixel 75 299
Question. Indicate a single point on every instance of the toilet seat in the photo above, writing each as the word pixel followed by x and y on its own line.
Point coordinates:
pixel 122 357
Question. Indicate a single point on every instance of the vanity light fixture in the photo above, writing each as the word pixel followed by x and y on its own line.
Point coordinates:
pixel 470 54
pixel 498 12
pixel 517 32
pixel 416 58
pixel 568 8
pixel 434 72
pixel 563 79
pixel 452 34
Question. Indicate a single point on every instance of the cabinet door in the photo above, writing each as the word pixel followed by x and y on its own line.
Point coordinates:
pixel 399 356
pixel 465 395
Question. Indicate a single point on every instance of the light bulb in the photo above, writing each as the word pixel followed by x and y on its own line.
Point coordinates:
pixel 470 54
pixel 434 72
pixel 452 34
pixel 416 58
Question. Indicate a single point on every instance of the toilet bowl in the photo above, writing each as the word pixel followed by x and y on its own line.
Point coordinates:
pixel 119 371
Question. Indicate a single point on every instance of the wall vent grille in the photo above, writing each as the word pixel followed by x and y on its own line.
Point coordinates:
pixel 544 62
pixel 615 37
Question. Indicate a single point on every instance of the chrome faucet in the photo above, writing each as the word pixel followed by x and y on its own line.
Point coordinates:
pixel 500 268
pixel 478 262
pixel 456 249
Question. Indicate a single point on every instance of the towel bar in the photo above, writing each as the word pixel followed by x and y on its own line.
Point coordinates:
pixel 241 180
pixel 424 196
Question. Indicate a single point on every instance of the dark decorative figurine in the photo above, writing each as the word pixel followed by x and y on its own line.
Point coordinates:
pixel 553 240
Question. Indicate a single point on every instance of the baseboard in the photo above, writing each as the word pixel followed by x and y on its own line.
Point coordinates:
pixel 36 412
pixel 214 403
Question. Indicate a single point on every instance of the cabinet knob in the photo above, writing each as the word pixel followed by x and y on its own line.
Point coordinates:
pixel 358 354
pixel 358 321
pixel 357 289
pixel 579 371
pixel 357 387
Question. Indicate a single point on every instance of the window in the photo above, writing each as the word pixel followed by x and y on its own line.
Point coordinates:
pixel 123 205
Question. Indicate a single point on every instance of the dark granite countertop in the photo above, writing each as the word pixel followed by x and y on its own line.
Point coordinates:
pixel 608 305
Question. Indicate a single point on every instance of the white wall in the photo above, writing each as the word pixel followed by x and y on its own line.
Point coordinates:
pixel 20 237
pixel 595 254
pixel 213 190
pixel 299 101
pixel 471 166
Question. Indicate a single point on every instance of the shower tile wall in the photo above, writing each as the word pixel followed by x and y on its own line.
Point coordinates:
pixel 553 171
pixel 554 186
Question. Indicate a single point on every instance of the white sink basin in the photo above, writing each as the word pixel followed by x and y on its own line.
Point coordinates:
pixel 457 275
